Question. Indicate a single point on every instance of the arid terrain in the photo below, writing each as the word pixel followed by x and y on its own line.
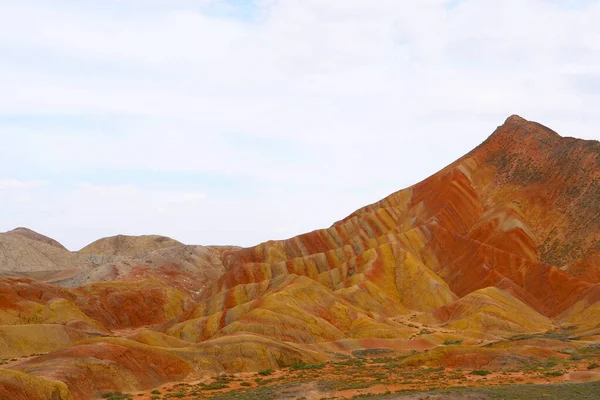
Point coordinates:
pixel 480 282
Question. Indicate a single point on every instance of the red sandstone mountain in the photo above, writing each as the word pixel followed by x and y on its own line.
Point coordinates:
pixel 504 241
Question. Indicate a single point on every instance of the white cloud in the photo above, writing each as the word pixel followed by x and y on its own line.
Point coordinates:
pixel 338 103
pixel 20 198
pixel 102 190
pixel 15 184
pixel 187 198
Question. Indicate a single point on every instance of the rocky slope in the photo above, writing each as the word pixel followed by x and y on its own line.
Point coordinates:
pixel 502 242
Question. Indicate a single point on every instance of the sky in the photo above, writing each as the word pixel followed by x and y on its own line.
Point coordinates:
pixel 240 121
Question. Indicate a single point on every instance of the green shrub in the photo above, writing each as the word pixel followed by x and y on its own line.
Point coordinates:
pixel 554 373
pixel 176 395
pixel 265 372
pixel 214 386
pixel 116 396
pixel 480 372
pixel 451 342
pixel 393 365
pixel 551 362
pixel 302 366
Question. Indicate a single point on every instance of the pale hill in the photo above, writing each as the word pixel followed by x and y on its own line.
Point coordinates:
pixel 190 269
pixel 131 246
pixel 29 234
pixel 24 251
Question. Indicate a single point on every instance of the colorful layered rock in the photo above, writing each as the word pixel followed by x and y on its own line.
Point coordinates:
pixel 502 242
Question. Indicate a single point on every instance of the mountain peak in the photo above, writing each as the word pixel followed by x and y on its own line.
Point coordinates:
pixel 518 134
pixel 33 235
pixel 518 123
pixel 515 119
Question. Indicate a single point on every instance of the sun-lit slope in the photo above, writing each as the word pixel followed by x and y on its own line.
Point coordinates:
pixel 24 340
pixel 95 307
pixel 95 366
pixel 92 367
pixel 307 301
pixel 25 301
pixel 491 310
pixel 246 352
pixel 388 262
pixel 292 309
pixel 249 352
pixel 20 385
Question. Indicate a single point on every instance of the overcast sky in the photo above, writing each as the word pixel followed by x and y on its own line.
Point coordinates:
pixel 235 122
